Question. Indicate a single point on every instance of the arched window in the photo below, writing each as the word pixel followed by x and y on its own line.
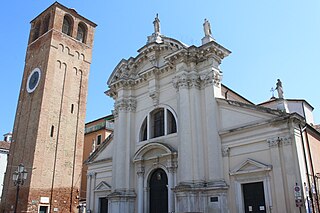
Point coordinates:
pixel 46 24
pixel 67 25
pixel 144 131
pixel 171 123
pixel 81 33
pixel 36 31
pixel 158 123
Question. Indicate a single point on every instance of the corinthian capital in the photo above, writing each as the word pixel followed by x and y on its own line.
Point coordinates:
pixel 180 81
pixel 213 77
pixel 125 105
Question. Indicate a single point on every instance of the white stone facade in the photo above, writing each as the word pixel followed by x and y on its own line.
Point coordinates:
pixel 210 147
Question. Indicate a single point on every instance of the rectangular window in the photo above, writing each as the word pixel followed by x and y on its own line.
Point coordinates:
pixel 99 139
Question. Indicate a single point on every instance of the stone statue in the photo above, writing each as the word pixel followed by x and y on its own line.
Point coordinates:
pixel 279 89
pixel 207 28
pixel 156 24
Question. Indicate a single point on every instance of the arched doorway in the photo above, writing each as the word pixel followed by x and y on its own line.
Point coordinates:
pixel 158 192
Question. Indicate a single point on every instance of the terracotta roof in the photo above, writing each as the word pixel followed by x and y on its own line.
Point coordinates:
pixel 4 145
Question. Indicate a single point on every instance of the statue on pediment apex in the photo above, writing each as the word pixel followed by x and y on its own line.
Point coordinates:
pixel 207 28
pixel 156 24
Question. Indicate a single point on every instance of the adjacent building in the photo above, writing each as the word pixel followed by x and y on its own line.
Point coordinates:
pixel 95 134
pixel 184 142
pixel 4 153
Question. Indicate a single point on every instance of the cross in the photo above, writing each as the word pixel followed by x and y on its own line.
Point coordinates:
pixel 272 90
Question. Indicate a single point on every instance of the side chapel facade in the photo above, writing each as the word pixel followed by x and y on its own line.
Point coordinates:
pixel 184 142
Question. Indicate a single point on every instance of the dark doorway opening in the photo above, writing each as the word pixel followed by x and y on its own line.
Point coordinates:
pixel 158 192
pixel 43 209
pixel 253 196
pixel 103 205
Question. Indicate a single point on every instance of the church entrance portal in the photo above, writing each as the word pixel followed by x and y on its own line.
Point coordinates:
pixel 158 192
pixel 253 195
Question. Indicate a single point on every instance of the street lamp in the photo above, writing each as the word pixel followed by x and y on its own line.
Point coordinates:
pixel 19 176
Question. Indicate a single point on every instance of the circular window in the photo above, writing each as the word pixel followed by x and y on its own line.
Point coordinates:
pixel 33 80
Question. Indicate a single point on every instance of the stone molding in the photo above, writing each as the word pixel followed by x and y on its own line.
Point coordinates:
pixel 279 141
pixel 212 78
pixel 91 174
pixel 124 105
pixel 154 95
pixel 140 171
pixel 225 151
pixel 196 80
pixel 128 70
pixel 219 185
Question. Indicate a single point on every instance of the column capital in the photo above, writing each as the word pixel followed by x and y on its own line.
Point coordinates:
pixel 140 171
pixel 225 151
pixel 279 141
pixel 125 105
pixel 212 77
pixel 181 81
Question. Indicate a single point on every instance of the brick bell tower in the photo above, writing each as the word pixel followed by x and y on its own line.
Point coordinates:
pixel 49 124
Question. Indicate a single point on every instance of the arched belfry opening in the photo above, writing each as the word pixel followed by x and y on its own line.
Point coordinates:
pixel 158 189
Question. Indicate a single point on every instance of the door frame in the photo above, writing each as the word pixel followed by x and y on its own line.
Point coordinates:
pixel 256 184
pixel 148 184
pixel 266 188
pixel 47 205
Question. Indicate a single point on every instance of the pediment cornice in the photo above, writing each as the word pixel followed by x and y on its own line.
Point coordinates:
pixel 250 166
pixel 211 50
pixel 156 58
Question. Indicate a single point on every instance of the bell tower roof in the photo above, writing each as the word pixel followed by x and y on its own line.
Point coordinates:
pixel 72 11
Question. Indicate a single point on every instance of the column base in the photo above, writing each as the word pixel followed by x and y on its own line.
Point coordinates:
pixel 122 201
pixel 201 197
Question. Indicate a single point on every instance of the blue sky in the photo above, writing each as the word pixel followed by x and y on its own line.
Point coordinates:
pixel 269 39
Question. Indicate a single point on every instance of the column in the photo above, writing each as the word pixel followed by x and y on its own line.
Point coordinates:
pixel 186 161
pixel 89 190
pixel 280 201
pixel 211 85
pixel 122 198
pixel 196 124
pixel 140 174
pixel 171 203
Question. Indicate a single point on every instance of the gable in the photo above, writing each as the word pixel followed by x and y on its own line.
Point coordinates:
pixel 105 153
pixel 250 166
pixel 102 186
pixel 236 115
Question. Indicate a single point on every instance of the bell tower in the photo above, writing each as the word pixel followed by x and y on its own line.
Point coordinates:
pixel 48 130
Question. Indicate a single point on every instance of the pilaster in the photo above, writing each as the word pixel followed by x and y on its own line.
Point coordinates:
pixel 123 196
pixel 275 144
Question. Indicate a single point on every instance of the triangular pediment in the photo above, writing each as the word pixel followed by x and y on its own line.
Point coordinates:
pixel 250 166
pixel 102 186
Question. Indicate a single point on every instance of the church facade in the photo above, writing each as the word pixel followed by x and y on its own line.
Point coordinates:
pixel 184 142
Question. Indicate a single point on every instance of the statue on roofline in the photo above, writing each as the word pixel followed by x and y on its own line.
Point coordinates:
pixel 279 89
pixel 207 28
pixel 156 24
